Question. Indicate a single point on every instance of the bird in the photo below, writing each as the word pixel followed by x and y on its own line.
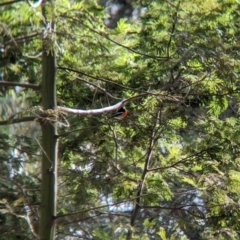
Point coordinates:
pixel 121 113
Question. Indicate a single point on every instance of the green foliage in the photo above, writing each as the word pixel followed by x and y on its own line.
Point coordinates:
pixel 162 233
pixel 175 157
pixel 100 234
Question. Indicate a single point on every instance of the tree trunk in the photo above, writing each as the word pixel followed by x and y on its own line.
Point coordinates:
pixel 49 143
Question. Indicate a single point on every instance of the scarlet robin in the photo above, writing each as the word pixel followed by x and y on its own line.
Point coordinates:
pixel 121 113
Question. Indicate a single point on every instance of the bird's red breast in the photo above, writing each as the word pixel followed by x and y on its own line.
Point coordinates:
pixel 121 113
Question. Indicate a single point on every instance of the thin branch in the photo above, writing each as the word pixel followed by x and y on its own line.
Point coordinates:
pixel 80 129
pixel 81 112
pixel 24 151
pixel 184 160
pixel 17 120
pixel 115 162
pixel 116 143
pixel 99 78
pixel 78 112
pixel 17 84
pixel 8 32
pixel 142 92
pixel 145 171
pixel 22 38
pixel 83 219
pixel 98 87
pixel 91 209
pixel 34 56
pixel 102 34
pixel 73 235
pixel 172 4
pixel 128 48
pixel 169 208
pixel 98 207
pixel 175 18
pixel 39 144
pixel 204 216
pixel 98 111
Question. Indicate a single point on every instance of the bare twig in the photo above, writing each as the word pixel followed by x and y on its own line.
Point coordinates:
pixel 98 87
pixel 175 18
pixel 102 34
pixel 98 78
pixel 184 160
pixel 24 85
pixel 98 208
pixel 34 56
pixel 17 120
pixel 39 144
pixel 81 112
pixel 24 38
pixel 145 171
pixel 142 92
pixel 116 144
pixel 79 129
